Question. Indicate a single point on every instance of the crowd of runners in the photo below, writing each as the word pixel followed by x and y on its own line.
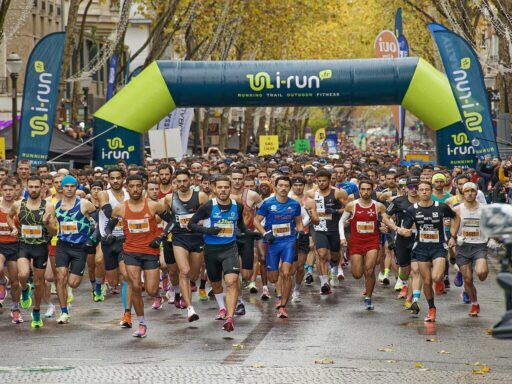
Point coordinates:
pixel 239 225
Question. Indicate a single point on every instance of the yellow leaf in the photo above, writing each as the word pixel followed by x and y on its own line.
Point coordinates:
pixel 443 352
pixel 485 369
pixel 257 366
pixel 238 346
pixel 391 361
pixel 488 331
pixel 477 372
pixel 386 350
pixel 434 339
pixel 324 361
pixel 418 365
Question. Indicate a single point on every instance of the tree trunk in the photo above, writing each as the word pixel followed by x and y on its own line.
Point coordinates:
pixel 248 129
pixel 4 7
pixel 224 127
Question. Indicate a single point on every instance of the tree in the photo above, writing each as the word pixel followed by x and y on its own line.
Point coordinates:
pixel 4 7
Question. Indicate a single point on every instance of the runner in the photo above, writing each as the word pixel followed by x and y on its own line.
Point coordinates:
pixel 282 218
pixel 329 205
pixel 72 214
pixel 364 237
pixel 140 229
pixel 222 215
pixel 187 246
pixel 9 250
pixel 471 250
pixel 36 223
pixel 165 175
pixel 430 245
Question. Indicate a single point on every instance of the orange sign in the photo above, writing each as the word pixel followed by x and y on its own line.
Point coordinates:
pixel 386 45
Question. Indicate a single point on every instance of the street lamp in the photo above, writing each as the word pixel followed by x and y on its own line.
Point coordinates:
pixel 85 83
pixel 14 64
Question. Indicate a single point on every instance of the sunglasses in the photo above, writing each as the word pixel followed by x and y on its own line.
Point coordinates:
pixel 412 187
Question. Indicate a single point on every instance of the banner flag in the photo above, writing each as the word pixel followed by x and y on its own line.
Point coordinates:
pixel 269 144
pixel 319 141
pixel 332 143
pixel 403 51
pixel 462 142
pixel 40 95
pixel 112 68
pixel 302 145
pixel 180 118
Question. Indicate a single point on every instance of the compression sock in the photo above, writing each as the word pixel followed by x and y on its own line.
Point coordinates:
pixel 36 314
pixel 202 284
pixel 124 287
pixel 64 310
pixel 97 286
pixel 416 295
pixel 220 300
pixel 24 294
pixel 431 303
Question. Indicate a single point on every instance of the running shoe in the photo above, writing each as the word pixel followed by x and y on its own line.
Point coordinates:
pixel 16 317
pixel 415 308
pixel 309 278
pixel 368 305
pixel 27 303
pixel 50 311
pixel 252 287
pixel 36 323
pixel 170 296
pixel 193 286
pixel 431 316
pixel 157 303
pixel 385 279
pixel 191 315
pixel 403 292
pixel 96 297
pixel 211 294
pixel 381 277
pixel 407 304
pixel 296 297
pixel 333 281
pixel 458 281
pixel 465 298
pixel 222 314
pixel 71 297
pixel 240 309
pixel 447 282
pixel 341 275
pixel 229 325
pixel 265 295
pixel 180 304
pixel 475 310
pixel 127 320
pixel 282 313
pixel 326 289
pixel 166 283
pixel 63 318
pixel 141 331
pixel 439 288
pixel 399 285
pixel 203 296
pixel 3 292
pixel 53 289
pixel 115 291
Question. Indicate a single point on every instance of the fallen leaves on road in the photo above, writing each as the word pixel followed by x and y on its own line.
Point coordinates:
pixel 418 365
pixel 433 340
pixel 488 331
pixel 391 361
pixel 387 348
pixel 443 352
pixel 256 365
pixel 324 361
pixel 238 346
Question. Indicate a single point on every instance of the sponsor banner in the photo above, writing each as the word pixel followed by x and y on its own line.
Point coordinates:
pixel 117 144
pixel 462 142
pixel 269 144
pixel 319 141
pixel 181 119
pixel 111 76
pixel 302 145
pixel 332 143
pixel 40 95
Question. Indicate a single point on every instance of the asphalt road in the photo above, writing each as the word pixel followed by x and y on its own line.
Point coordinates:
pixel 327 339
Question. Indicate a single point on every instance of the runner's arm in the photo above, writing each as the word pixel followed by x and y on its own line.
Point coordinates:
pixel 341 224
pixel 49 219
pixel 104 204
pixel 313 214
pixel 203 212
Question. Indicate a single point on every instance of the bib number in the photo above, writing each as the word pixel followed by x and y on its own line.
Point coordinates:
pixel 227 229
pixel 365 227
pixel 32 231
pixel 281 230
pixel 69 228
pixel 427 236
pixel 5 230
pixel 183 220
pixel 138 226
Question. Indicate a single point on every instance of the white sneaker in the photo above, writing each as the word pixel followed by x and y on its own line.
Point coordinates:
pixel 170 296
pixel 399 285
pixel 296 297
pixel 53 289
pixel 63 318
pixel 381 277
pixel 50 312
pixel 341 275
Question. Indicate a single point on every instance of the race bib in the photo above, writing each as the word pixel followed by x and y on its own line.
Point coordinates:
pixel 69 227
pixel 427 236
pixel 325 216
pixel 183 220
pixel 138 226
pixel 365 227
pixel 227 229
pixel 32 231
pixel 281 230
pixel 5 230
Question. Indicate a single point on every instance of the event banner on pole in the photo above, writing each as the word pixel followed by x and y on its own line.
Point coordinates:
pixel 117 144
pixel 269 145
pixel 302 145
pixel 319 141
pixel 403 49
pixel 40 94
pixel 112 68
pixel 461 143
pixel 180 118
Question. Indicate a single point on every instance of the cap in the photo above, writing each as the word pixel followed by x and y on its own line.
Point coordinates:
pixel 285 169
pixel 363 176
pixel 412 180
pixel 469 185
pixel 298 180
pixel 97 184
pixel 68 180
pixel 438 176
pixel 98 169
pixel 309 170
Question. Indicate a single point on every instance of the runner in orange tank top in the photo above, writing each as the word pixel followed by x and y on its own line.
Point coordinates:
pixel 140 229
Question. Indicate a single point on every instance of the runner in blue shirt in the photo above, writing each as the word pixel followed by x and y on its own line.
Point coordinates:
pixel 282 222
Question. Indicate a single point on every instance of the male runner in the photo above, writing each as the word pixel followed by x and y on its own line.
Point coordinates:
pixel 222 215
pixel 309 175
pixel 329 205
pixel 165 176
pixel 36 223
pixel 471 252
pixel 187 246
pixel 140 229
pixel 72 214
pixel 9 249
pixel 430 245
pixel 282 218
pixel 364 237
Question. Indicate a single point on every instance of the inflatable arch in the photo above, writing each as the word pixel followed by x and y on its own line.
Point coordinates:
pixel 166 85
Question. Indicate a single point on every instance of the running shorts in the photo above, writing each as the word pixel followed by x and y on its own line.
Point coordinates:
pixel 144 261
pixel 469 253
pixel 72 256
pixel 38 253
pixel 282 251
pixel 221 259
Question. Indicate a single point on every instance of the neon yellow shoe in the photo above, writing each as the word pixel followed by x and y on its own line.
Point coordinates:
pixel 71 297
pixel 36 323
pixel 26 303
pixel 203 296
pixel 407 304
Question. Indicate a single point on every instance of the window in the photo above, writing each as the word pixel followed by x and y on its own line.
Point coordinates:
pixel 35 3
pixel 43 5
pixel 51 9
pixel 58 11
pixel 41 26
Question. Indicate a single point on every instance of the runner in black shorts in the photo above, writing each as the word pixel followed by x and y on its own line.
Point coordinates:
pixel 430 246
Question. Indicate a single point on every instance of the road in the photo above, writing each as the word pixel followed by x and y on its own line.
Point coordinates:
pixel 354 345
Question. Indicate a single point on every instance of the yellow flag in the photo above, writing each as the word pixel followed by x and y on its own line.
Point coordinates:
pixel 2 148
pixel 268 145
pixel 319 141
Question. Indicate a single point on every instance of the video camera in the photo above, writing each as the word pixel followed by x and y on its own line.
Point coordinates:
pixel 496 221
